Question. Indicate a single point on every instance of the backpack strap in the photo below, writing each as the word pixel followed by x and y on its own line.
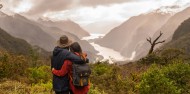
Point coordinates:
pixel 81 83
pixel 83 56
pixel 70 77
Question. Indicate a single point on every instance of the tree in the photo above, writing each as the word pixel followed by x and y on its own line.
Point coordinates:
pixel 154 43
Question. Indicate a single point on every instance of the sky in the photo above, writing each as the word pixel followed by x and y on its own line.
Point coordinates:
pixel 95 16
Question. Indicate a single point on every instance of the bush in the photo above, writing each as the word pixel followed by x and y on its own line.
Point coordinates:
pixel 40 74
pixel 150 59
pixel 101 69
pixel 42 88
pixel 155 82
pixel 95 90
pixel 12 66
pixel 179 73
pixel 13 87
pixel 108 77
pixel 171 79
pixel 171 54
pixel 164 57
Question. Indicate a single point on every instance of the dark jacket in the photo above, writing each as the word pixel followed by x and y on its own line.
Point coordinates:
pixel 59 55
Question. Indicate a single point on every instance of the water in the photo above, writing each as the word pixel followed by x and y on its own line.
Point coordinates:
pixel 93 36
pixel 107 53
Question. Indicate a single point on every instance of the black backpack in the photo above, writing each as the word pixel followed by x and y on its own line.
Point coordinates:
pixel 81 74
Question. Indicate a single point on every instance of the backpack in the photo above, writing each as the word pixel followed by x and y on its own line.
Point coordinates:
pixel 81 74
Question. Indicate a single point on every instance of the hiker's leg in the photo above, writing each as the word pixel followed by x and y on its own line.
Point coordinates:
pixel 63 92
pixel 58 92
pixel 71 92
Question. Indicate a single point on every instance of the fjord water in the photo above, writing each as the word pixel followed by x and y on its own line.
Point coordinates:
pixel 107 53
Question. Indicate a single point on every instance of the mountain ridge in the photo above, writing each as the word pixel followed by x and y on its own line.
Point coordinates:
pixel 14 45
pixel 66 25
pixel 20 27
pixel 131 34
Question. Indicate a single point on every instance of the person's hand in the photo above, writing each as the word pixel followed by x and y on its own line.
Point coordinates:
pixel 85 54
pixel 53 69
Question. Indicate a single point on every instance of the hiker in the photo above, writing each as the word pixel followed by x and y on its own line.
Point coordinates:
pixel 60 54
pixel 67 69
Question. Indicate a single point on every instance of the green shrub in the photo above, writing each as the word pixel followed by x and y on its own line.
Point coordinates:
pixel 95 90
pixel 155 82
pixel 42 88
pixel 171 54
pixel 164 57
pixel 179 73
pixel 150 59
pixel 13 87
pixel 40 74
pixel 108 77
pixel 12 66
pixel 101 69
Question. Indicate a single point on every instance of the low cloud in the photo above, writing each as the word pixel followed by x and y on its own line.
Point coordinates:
pixel 43 6
pixel 101 2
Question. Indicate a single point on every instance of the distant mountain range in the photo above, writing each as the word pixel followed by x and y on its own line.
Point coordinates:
pixel 181 38
pixel 68 26
pixel 40 34
pixel 168 29
pixel 131 36
pixel 127 38
pixel 12 44
pixel 21 27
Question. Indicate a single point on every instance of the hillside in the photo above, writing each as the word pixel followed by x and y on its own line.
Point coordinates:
pixel 14 45
pixel 182 30
pixel 39 34
pixel 21 27
pixel 173 23
pixel 130 35
pixel 181 37
pixel 167 29
pixel 56 32
pixel 67 25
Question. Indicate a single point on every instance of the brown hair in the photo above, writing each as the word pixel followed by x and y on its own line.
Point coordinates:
pixel 75 47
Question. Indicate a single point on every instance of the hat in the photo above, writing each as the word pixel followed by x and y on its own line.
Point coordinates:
pixel 64 41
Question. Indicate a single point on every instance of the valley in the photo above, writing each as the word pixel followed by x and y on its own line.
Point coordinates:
pixel 131 49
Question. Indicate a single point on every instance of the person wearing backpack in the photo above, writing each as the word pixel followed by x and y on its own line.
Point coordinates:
pixel 78 72
pixel 60 54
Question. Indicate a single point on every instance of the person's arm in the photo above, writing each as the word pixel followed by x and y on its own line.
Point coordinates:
pixel 51 62
pixel 86 60
pixel 74 58
pixel 63 71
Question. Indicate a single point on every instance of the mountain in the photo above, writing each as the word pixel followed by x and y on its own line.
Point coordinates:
pixel 181 38
pixel 67 25
pixel 12 44
pixel 39 35
pixel 172 24
pixel 129 36
pixel 21 27
pixel 57 32
pixel 182 30
pixel 167 29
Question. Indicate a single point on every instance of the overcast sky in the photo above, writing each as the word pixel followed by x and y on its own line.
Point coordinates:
pixel 90 14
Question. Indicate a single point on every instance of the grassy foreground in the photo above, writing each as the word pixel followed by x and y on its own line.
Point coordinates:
pixel 161 73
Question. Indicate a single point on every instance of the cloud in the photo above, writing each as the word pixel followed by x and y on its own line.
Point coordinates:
pixel 16 6
pixel 101 2
pixel 42 6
